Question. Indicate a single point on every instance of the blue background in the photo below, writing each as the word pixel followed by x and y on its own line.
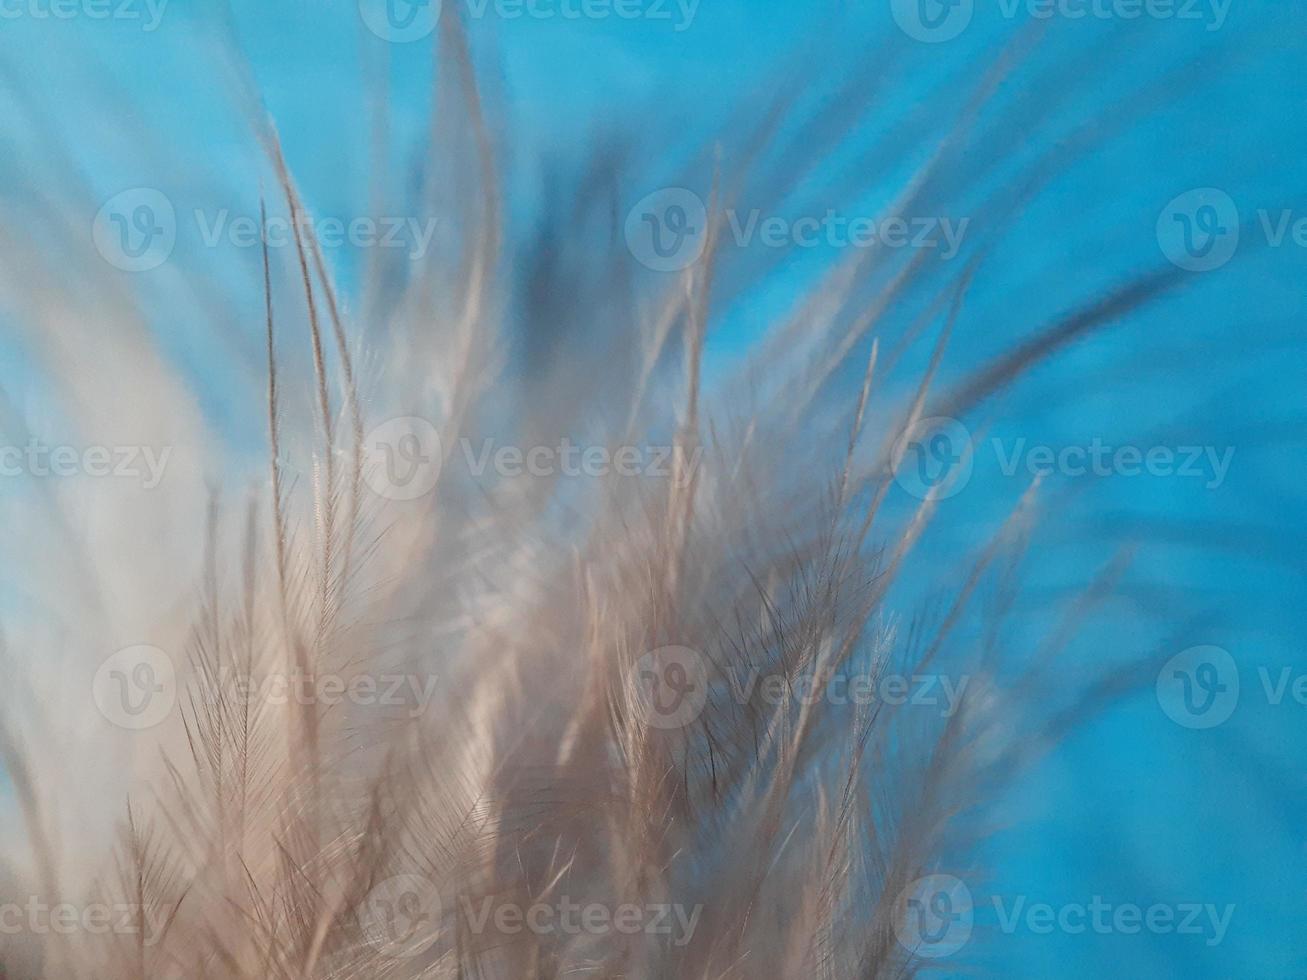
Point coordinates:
pixel 1131 806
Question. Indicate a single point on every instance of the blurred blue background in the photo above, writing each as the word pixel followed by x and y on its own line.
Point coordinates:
pixel 1127 114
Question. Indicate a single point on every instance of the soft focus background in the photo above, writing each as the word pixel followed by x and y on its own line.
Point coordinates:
pixel 1097 123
